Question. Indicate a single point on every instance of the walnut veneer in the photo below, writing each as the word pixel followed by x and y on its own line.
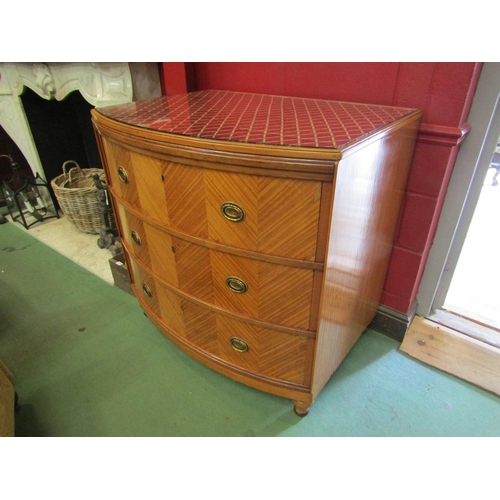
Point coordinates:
pixel 258 229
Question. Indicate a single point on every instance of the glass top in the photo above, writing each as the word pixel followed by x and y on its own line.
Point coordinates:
pixel 257 118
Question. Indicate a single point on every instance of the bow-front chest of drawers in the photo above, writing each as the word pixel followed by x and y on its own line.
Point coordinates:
pixel 258 229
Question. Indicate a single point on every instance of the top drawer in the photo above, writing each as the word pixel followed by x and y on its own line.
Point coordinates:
pixel 270 215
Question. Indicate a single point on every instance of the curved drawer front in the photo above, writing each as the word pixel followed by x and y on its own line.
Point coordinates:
pixel 250 348
pixel 146 287
pixel 275 216
pixel 263 214
pixel 137 179
pixel 152 247
pixel 270 292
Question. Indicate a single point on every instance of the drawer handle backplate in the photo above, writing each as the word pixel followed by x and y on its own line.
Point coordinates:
pixel 147 291
pixel 236 285
pixel 122 174
pixel 136 238
pixel 239 344
pixel 232 211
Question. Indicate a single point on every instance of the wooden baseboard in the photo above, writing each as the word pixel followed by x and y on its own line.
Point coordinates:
pixel 453 352
pixel 392 323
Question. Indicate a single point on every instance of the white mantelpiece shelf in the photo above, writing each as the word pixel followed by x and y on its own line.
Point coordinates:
pixel 101 84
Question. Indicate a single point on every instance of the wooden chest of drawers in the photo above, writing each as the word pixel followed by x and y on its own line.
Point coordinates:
pixel 258 229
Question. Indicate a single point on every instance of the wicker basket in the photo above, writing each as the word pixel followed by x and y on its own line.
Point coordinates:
pixel 77 196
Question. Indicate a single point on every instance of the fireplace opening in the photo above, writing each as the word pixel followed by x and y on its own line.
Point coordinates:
pixel 62 131
pixel 9 148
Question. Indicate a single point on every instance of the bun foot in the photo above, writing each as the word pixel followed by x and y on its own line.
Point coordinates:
pixel 301 409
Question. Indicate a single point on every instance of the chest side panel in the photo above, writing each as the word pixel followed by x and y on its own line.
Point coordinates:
pixel 369 188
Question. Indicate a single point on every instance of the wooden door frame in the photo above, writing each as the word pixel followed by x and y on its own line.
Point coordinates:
pixel 465 185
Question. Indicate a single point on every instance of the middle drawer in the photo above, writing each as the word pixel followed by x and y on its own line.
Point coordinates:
pixel 257 289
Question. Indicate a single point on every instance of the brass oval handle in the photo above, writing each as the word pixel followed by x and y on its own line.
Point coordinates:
pixel 136 238
pixel 239 344
pixel 232 211
pixel 147 291
pixel 236 285
pixel 122 174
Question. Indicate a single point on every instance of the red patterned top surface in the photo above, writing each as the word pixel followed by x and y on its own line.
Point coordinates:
pixel 257 118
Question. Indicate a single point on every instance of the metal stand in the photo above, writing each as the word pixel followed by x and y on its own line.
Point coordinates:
pixel 29 199
pixel 108 238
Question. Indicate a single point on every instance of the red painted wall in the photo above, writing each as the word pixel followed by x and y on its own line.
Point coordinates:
pixel 173 78
pixel 443 91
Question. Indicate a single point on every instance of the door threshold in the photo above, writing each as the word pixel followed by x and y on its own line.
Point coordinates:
pixel 488 334
pixel 484 315
pixel 461 355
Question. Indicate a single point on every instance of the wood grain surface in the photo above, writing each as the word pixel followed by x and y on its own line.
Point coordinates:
pixel 278 298
pixel 453 352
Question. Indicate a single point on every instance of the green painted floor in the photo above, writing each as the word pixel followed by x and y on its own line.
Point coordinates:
pixel 87 362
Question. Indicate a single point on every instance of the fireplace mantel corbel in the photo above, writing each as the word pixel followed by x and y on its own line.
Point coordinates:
pixel 101 84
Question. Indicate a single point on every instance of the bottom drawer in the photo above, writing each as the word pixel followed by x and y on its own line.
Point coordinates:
pixel 248 347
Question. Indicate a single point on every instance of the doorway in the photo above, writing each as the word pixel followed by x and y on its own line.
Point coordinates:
pixel 474 289
pixel 437 336
pixel 463 196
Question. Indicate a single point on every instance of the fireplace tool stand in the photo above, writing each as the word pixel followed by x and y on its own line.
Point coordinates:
pixel 108 237
pixel 29 199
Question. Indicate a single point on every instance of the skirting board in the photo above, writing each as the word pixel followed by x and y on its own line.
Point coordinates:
pixel 454 353
pixel 392 323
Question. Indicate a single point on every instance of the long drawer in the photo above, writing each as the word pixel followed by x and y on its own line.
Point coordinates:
pixel 258 289
pixel 249 347
pixel 275 216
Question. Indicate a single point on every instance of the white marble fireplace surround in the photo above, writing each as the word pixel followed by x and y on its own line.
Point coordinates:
pixel 101 84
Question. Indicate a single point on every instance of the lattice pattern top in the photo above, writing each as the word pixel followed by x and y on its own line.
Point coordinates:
pixel 257 118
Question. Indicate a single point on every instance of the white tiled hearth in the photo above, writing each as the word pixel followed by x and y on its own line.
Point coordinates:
pixel 66 239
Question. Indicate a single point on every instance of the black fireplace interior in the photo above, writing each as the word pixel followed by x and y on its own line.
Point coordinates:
pixel 62 131
pixel 9 148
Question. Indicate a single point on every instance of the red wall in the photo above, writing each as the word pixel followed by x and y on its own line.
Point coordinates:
pixel 443 91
